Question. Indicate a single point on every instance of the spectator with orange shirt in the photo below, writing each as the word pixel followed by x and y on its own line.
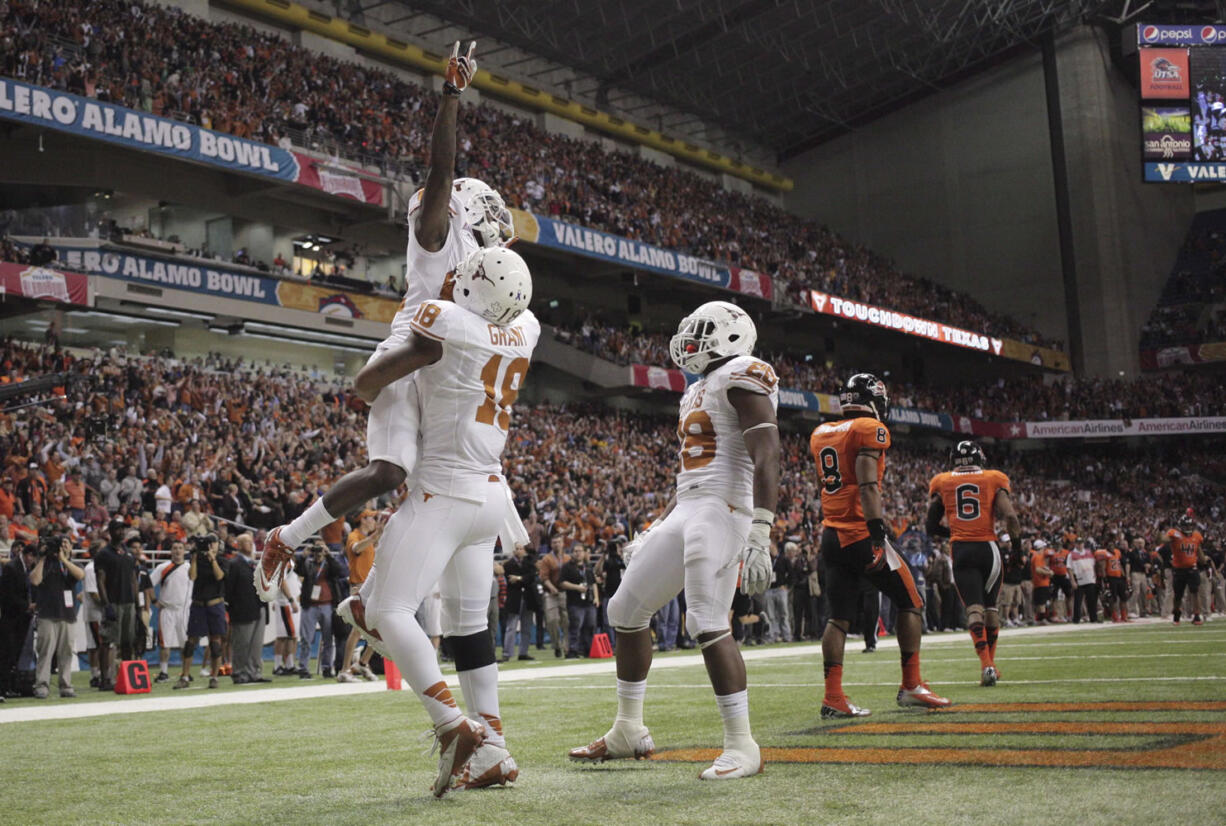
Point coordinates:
pixel 360 553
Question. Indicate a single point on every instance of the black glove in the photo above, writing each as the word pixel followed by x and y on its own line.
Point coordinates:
pixel 877 530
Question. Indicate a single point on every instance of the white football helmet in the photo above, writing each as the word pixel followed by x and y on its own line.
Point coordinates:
pixel 714 331
pixel 494 283
pixel 485 213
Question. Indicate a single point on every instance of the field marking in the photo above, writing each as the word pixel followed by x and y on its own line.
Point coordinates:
pixel 816 684
pixel 198 698
pixel 1190 746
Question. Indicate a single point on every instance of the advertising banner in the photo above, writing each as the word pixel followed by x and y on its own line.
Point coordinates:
pixel 903 323
pixel 1182 173
pixel 1166 132
pixel 43 283
pixel 1188 34
pixel 664 378
pixel 86 117
pixel 1192 354
pixel 1164 74
pixel 216 279
pixel 604 246
pixel 1125 427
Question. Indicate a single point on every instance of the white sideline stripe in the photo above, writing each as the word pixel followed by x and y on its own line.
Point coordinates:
pixel 198 698
pixel 814 685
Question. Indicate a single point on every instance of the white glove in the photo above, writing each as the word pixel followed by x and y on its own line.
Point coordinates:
pixel 756 569
pixel 632 547
pixel 460 70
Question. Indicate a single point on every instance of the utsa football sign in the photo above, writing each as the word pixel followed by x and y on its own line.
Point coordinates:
pixel 1164 73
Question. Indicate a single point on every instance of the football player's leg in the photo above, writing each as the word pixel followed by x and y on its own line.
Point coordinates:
pixel 893 578
pixel 433 529
pixel 991 594
pixel 465 600
pixel 654 576
pixel 713 537
pixel 843 594
pixel 969 582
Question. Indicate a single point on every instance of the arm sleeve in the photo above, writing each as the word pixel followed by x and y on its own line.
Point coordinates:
pixel 433 320
pixel 753 375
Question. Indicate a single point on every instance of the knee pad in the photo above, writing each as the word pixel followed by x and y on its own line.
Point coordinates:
pixel 842 626
pixel 627 614
pixel 974 615
pixel 472 651
pixel 702 620
pixel 461 617
pixel 214 648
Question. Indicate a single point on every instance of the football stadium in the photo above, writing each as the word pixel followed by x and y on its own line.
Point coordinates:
pixel 588 411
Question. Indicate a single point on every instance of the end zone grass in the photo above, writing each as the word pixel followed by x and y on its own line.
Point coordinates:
pixel 358 758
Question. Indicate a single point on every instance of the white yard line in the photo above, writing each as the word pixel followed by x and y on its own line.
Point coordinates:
pixel 200 698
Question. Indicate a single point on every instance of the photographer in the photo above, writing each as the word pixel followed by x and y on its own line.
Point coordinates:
pixel 578 580
pixel 207 616
pixel 117 585
pixel 318 571
pixel 15 613
pixel 53 577
pixel 521 577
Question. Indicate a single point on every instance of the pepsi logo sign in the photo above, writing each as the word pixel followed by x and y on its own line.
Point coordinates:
pixel 1150 34
pixel 1208 34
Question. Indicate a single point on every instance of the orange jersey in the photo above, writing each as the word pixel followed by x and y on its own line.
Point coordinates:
pixel 1114 559
pixel 834 446
pixel 1185 547
pixel 1059 562
pixel 969 495
pixel 1040 559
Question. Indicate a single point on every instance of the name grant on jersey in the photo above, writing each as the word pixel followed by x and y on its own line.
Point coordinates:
pixel 507 336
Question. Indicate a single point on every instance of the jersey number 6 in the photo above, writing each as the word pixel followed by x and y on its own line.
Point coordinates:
pixel 967 500
pixel 500 396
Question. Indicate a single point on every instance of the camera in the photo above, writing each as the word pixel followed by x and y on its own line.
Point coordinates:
pixel 201 544
pixel 49 546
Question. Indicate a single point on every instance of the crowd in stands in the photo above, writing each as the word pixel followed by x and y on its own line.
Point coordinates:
pixel 255 85
pixel 1030 398
pixel 169 449
pixel 1192 309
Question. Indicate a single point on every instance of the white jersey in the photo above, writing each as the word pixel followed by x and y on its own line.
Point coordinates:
pixel 176 586
pixel 91 612
pixel 293 584
pixel 426 271
pixel 466 397
pixel 713 456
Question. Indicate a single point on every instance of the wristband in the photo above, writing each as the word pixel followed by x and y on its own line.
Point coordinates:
pixel 760 529
pixel 451 90
pixel 876 529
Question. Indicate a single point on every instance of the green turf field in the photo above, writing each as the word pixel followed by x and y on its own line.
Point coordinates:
pixel 1075 759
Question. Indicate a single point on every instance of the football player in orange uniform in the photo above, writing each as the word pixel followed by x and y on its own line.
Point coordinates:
pixel 1184 546
pixel 850 456
pixel 971 499
pixel 1115 580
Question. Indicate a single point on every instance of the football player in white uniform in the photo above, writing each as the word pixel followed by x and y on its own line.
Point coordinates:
pixel 447 221
pixel 469 358
pixel 720 515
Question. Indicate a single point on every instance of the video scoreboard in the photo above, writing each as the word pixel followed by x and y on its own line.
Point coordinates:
pixel 1183 102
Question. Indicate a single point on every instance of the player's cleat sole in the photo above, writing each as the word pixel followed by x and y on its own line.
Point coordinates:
pixel 274 562
pixel 456 743
pixel 616 745
pixel 733 764
pixel 989 677
pixel 1197 621
pixel 490 765
pixel 921 697
pixel 352 611
pixel 843 711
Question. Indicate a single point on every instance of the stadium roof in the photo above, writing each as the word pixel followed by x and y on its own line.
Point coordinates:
pixel 781 74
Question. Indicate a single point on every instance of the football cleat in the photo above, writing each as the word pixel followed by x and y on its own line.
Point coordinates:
pixel 989 676
pixel 490 765
pixel 1196 620
pixel 456 742
pixel 921 697
pixel 616 745
pixel 842 709
pixel 274 562
pixel 352 611
pixel 734 763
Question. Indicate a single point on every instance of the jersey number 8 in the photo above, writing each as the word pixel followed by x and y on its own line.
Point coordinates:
pixel 832 478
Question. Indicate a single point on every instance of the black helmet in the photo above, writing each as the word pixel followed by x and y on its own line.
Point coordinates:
pixel 866 393
pixel 1187 522
pixel 967 454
